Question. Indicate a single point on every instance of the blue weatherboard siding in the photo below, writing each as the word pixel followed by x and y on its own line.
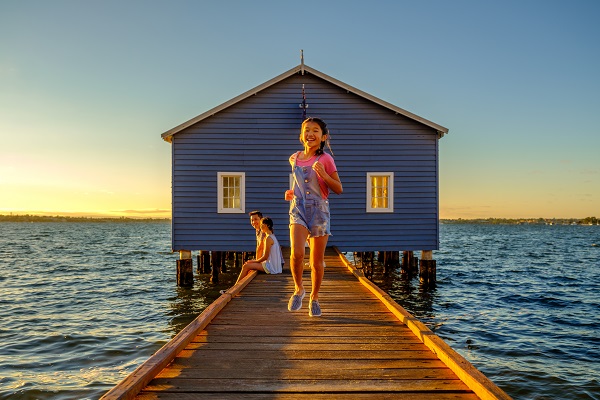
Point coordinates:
pixel 258 134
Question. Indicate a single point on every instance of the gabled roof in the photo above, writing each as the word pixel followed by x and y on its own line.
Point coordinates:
pixel 303 68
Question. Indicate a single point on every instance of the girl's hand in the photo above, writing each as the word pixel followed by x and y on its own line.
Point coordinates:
pixel 289 195
pixel 320 169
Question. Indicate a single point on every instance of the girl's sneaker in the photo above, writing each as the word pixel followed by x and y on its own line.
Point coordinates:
pixel 295 302
pixel 314 309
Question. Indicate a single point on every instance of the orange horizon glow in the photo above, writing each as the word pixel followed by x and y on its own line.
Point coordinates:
pixel 166 214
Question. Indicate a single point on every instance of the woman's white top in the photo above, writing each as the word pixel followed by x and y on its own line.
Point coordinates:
pixel 274 264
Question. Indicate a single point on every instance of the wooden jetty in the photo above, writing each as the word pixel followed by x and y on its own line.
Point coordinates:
pixel 247 345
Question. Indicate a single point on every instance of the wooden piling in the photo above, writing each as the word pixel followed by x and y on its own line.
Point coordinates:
pixel 414 264
pixel 204 262
pixel 224 257
pixel 216 266
pixel 406 269
pixel 390 260
pixel 427 269
pixel 185 269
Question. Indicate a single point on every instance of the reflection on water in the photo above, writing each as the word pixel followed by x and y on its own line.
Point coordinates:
pixel 187 303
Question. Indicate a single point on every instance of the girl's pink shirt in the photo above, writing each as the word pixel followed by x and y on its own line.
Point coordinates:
pixel 327 162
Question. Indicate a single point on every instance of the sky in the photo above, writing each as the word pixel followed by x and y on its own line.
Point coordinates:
pixel 87 88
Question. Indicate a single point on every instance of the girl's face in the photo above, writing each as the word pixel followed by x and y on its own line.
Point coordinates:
pixel 265 228
pixel 312 135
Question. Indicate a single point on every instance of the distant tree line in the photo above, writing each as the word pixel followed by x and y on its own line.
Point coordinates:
pixel 497 221
pixel 58 218
pixel 525 221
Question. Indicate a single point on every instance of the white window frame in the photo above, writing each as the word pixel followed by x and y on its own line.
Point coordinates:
pixel 224 210
pixel 390 207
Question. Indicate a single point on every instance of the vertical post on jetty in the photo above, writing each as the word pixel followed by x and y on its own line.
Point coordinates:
pixel 407 264
pixel 428 268
pixel 392 260
pixel 414 263
pixel 204 261
pixel 224 257
pixel 216 266
pixel 185 269
pixel 389 260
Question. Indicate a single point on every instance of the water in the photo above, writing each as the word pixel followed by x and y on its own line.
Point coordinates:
pixel 83 304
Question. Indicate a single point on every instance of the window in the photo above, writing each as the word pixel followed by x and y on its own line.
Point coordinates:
pixel 231 192
pixel 380 192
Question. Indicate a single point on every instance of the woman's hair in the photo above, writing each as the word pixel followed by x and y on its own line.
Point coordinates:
pixel 324 129
pixel 268 222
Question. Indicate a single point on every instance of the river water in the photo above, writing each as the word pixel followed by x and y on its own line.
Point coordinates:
pixel 83 304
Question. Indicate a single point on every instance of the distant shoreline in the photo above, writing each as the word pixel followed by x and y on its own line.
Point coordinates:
pixel 492 221
pixel 524 221
pixel 61 218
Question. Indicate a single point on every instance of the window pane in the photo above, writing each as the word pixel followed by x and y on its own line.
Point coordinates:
pixel 232 192
pixel 379 191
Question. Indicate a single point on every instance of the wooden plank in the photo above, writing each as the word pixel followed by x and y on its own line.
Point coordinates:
pixel 310 396
pixel 312 355
pixel 303 374
pixel 358 339
pixel 306 386
pixel 321 347
pixel 216 366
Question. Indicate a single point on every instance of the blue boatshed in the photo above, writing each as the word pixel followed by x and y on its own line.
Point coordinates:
pixel 233 159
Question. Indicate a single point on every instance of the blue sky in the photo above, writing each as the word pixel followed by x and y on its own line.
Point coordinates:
pixel 87 87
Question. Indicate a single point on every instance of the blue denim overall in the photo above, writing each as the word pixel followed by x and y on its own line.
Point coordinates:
pixel 308 208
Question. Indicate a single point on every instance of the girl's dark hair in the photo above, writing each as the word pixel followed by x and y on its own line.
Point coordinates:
pixel 323 127
pixel 268 222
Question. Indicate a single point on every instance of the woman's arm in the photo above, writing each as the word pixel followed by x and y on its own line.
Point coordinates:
pixel 259 248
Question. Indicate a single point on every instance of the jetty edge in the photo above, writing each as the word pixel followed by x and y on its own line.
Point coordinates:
pixel 479 385
pixel 129 387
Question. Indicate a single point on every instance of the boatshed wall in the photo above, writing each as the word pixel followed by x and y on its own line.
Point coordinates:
pixel 258 134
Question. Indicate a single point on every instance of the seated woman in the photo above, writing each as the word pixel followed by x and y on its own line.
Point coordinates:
pixel 271 261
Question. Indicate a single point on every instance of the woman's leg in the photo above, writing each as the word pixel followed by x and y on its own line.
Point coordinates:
pixel 298 235
pixel 317 260
pixel 247 267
